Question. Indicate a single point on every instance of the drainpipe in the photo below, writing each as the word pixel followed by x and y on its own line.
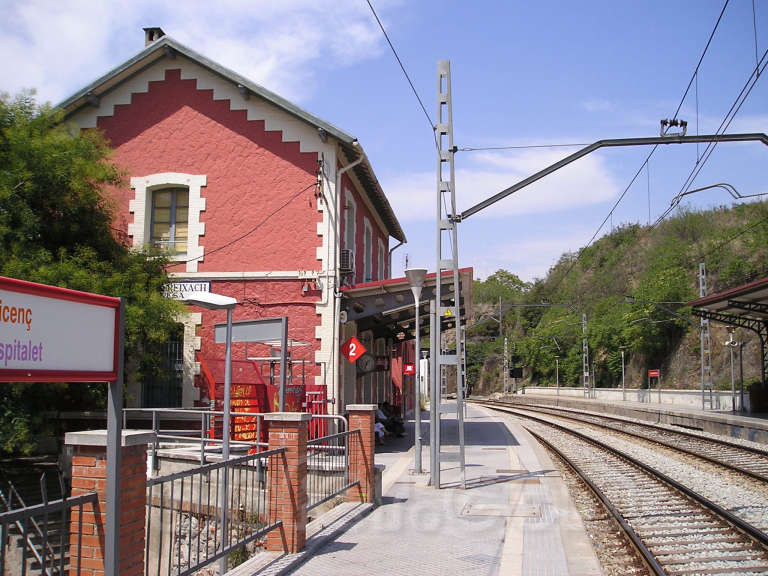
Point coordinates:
pixel 390 256
pixel 337 281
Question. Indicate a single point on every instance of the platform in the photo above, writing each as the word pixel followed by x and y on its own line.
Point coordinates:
pixel 753 427
pixel 515 516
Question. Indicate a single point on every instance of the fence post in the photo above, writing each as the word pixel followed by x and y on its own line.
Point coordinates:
pixel 361 448
pixel 288 480
pixel 89 474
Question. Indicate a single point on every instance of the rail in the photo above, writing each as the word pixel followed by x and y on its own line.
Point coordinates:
pixel 15 529
pixel 328 467
pixel 184 533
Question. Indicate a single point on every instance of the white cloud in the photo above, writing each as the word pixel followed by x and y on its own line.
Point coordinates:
pixel 58 46
pixel 585 182
pixel 530 258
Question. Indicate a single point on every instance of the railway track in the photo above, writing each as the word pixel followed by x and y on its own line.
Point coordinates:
pixel 675 530
pixel 746 460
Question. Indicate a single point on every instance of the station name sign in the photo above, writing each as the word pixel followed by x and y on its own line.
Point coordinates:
pixel 51 334
pixel 176 289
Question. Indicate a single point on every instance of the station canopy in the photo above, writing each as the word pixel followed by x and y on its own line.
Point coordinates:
pixel 386 307
pixel 745 306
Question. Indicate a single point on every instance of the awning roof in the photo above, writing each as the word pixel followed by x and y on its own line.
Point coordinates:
pixel 745 306
pixel 749 301
pixel 387 308
pixel 167 47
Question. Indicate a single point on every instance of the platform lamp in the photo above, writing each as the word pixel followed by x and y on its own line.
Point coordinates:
pixel 623 387
pixel 211 301
pixel 731 343
pixel 416 277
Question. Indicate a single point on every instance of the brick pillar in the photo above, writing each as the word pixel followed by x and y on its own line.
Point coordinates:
pixel 288 480
pixel 361 451
pixel 89 474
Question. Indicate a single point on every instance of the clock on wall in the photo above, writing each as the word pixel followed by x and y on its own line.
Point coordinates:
pixel 366 363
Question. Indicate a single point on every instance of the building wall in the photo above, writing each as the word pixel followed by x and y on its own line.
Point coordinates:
pixel 363 212
pixel 256 168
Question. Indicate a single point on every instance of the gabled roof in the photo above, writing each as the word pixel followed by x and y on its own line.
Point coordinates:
pixel 167 47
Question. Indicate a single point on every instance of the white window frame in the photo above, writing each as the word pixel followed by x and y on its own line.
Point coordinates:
pixel 382 264
pixel 141 208
pixel 350 221
pixel 367 251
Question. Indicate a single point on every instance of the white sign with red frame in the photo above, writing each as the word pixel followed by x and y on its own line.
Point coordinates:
pixel 51 334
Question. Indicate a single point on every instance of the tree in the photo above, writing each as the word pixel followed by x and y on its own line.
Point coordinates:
pixel 55 228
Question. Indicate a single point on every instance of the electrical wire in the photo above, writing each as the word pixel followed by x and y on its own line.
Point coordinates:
pixel 402 67
pixel 653 150
pixel 252 230
pixel 523 147
pixel 710 148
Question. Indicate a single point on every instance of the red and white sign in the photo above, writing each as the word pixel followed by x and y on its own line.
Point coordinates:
pixel 653 373
pixel 409 368
pixel 50 334
pixel 353 349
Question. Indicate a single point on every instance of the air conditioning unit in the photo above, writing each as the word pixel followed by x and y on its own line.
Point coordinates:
pixel 347 262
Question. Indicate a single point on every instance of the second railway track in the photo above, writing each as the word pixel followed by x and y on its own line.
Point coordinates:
pixel 678 531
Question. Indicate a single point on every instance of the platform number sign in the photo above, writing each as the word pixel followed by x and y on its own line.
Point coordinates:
pixel 353 349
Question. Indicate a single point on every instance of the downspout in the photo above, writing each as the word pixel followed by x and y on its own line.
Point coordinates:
pixel 390 256
pixel 337 280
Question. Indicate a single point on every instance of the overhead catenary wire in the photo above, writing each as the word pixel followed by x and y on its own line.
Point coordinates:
pixel 520 147
pixel 402 67
pixel 653 150
pixel 710 148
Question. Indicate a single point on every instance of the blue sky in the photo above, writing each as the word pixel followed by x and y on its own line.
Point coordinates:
pixel 545 72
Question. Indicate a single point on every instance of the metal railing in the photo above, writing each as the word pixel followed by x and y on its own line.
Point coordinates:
pixel 199 435
pixel 184 532
pixel 328 467
pixel 35 539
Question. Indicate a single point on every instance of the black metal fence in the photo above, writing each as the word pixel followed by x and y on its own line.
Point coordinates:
pixel 36 539
pixel 188 529
pixel 328 467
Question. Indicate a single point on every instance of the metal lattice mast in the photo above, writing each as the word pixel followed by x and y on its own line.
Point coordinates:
pixel 506 365
pixel 706 344
pixel 585 353
pixel 446 223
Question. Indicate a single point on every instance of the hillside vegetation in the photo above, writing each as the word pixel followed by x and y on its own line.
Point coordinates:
pixel 632 285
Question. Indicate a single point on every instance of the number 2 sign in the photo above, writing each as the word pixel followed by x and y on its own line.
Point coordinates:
pixel 353 349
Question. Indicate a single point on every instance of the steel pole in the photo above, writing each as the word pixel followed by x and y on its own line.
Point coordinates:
pixel 114 444
pixel 741 376
pixel 733 378
pixel 557 374
pixel 417 388
pixel 623 384
pixel 225 438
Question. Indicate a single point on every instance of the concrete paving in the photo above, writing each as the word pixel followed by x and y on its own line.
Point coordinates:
pixel 514 516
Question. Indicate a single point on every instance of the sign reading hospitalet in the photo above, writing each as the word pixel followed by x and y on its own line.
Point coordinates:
pixel 50 334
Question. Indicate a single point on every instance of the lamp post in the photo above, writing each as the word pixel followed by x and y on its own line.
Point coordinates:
pixel 416 278
pixel 557 374
pixel 623 385
pixel 211 301
pixel 731 343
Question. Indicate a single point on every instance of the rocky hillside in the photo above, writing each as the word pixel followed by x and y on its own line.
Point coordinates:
pixel 632 285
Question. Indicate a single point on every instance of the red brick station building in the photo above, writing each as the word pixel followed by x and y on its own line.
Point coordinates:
pixel 257 199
